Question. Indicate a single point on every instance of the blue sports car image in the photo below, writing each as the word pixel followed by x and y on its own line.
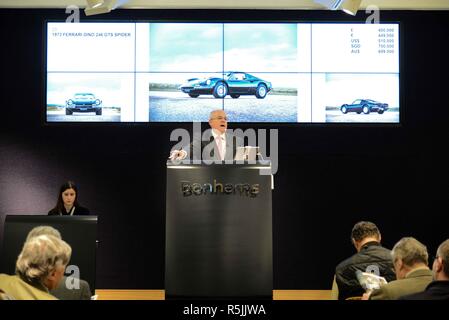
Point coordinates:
pixel 364 105
pixel 83 102
pixel 233 83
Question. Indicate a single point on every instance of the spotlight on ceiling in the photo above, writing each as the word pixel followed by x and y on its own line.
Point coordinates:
pixel 97 7
pixel 348 6
pixel 330 4
pixel 102 6
pixel 351 6
pixel 94 3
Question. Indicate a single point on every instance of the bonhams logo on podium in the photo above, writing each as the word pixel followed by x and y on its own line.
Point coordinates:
pixel 242 189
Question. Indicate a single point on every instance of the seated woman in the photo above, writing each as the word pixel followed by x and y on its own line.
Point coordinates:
pixel 39 268
pixel 67 204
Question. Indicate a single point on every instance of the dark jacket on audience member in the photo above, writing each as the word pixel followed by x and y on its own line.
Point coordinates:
pixel 372 253
pixel 436 290
pixel 64 293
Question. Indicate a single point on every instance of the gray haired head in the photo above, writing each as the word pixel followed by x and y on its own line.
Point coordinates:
pixel 43 230
pixel 410 251
pixel 40 256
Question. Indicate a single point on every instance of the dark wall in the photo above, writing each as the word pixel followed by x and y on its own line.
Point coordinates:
pixel 330 176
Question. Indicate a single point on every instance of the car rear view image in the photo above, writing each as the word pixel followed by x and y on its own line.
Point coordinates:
pixel 83 102
pixel 364 105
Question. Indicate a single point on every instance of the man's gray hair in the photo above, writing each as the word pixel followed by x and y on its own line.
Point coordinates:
pixel 443 252
pixel 40 256
pixel 211 114
pixel 410 251
pixel 43 230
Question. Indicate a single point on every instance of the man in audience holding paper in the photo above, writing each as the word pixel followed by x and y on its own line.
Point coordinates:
pixel 410 261
pixel 439 288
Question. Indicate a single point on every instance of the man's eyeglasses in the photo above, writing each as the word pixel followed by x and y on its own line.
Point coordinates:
pixel 220 118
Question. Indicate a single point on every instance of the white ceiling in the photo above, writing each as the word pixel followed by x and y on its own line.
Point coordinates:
pixel 231 4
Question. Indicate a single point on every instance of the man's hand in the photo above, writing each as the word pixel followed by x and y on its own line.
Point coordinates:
pixel 177 155
pixel 366 295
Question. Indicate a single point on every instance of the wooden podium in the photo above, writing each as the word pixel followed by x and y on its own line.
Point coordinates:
pixel 218 231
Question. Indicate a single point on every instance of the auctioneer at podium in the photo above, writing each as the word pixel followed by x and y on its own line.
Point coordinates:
pixel 218 231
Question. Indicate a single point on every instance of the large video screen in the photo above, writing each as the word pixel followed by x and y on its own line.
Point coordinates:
pixel 256 72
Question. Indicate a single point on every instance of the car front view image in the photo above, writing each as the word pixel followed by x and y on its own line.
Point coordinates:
pixel 83 102
pixel 364 105
pixel 232 83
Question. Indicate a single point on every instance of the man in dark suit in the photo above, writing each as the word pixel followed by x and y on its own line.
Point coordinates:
pixel 370 256
pixel 220 146
pixel 439 288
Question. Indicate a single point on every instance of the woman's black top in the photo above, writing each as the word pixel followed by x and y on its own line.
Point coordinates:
pixel 79 211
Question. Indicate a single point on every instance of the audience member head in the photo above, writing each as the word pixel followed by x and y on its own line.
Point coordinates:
pixel 43 260
pixel 68 196
pixel 408 254
pixel 43 230
pixel 364 232
pixel 440 266
pixel 218 121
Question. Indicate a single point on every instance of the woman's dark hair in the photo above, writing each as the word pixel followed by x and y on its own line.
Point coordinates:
pixel 60 204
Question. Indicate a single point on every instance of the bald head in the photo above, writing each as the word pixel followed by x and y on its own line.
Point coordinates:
pixel 441 263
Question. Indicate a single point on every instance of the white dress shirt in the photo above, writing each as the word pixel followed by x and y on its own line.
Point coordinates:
pixel 216 136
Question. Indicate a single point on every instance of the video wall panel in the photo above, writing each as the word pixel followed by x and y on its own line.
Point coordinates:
pixel 256 72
